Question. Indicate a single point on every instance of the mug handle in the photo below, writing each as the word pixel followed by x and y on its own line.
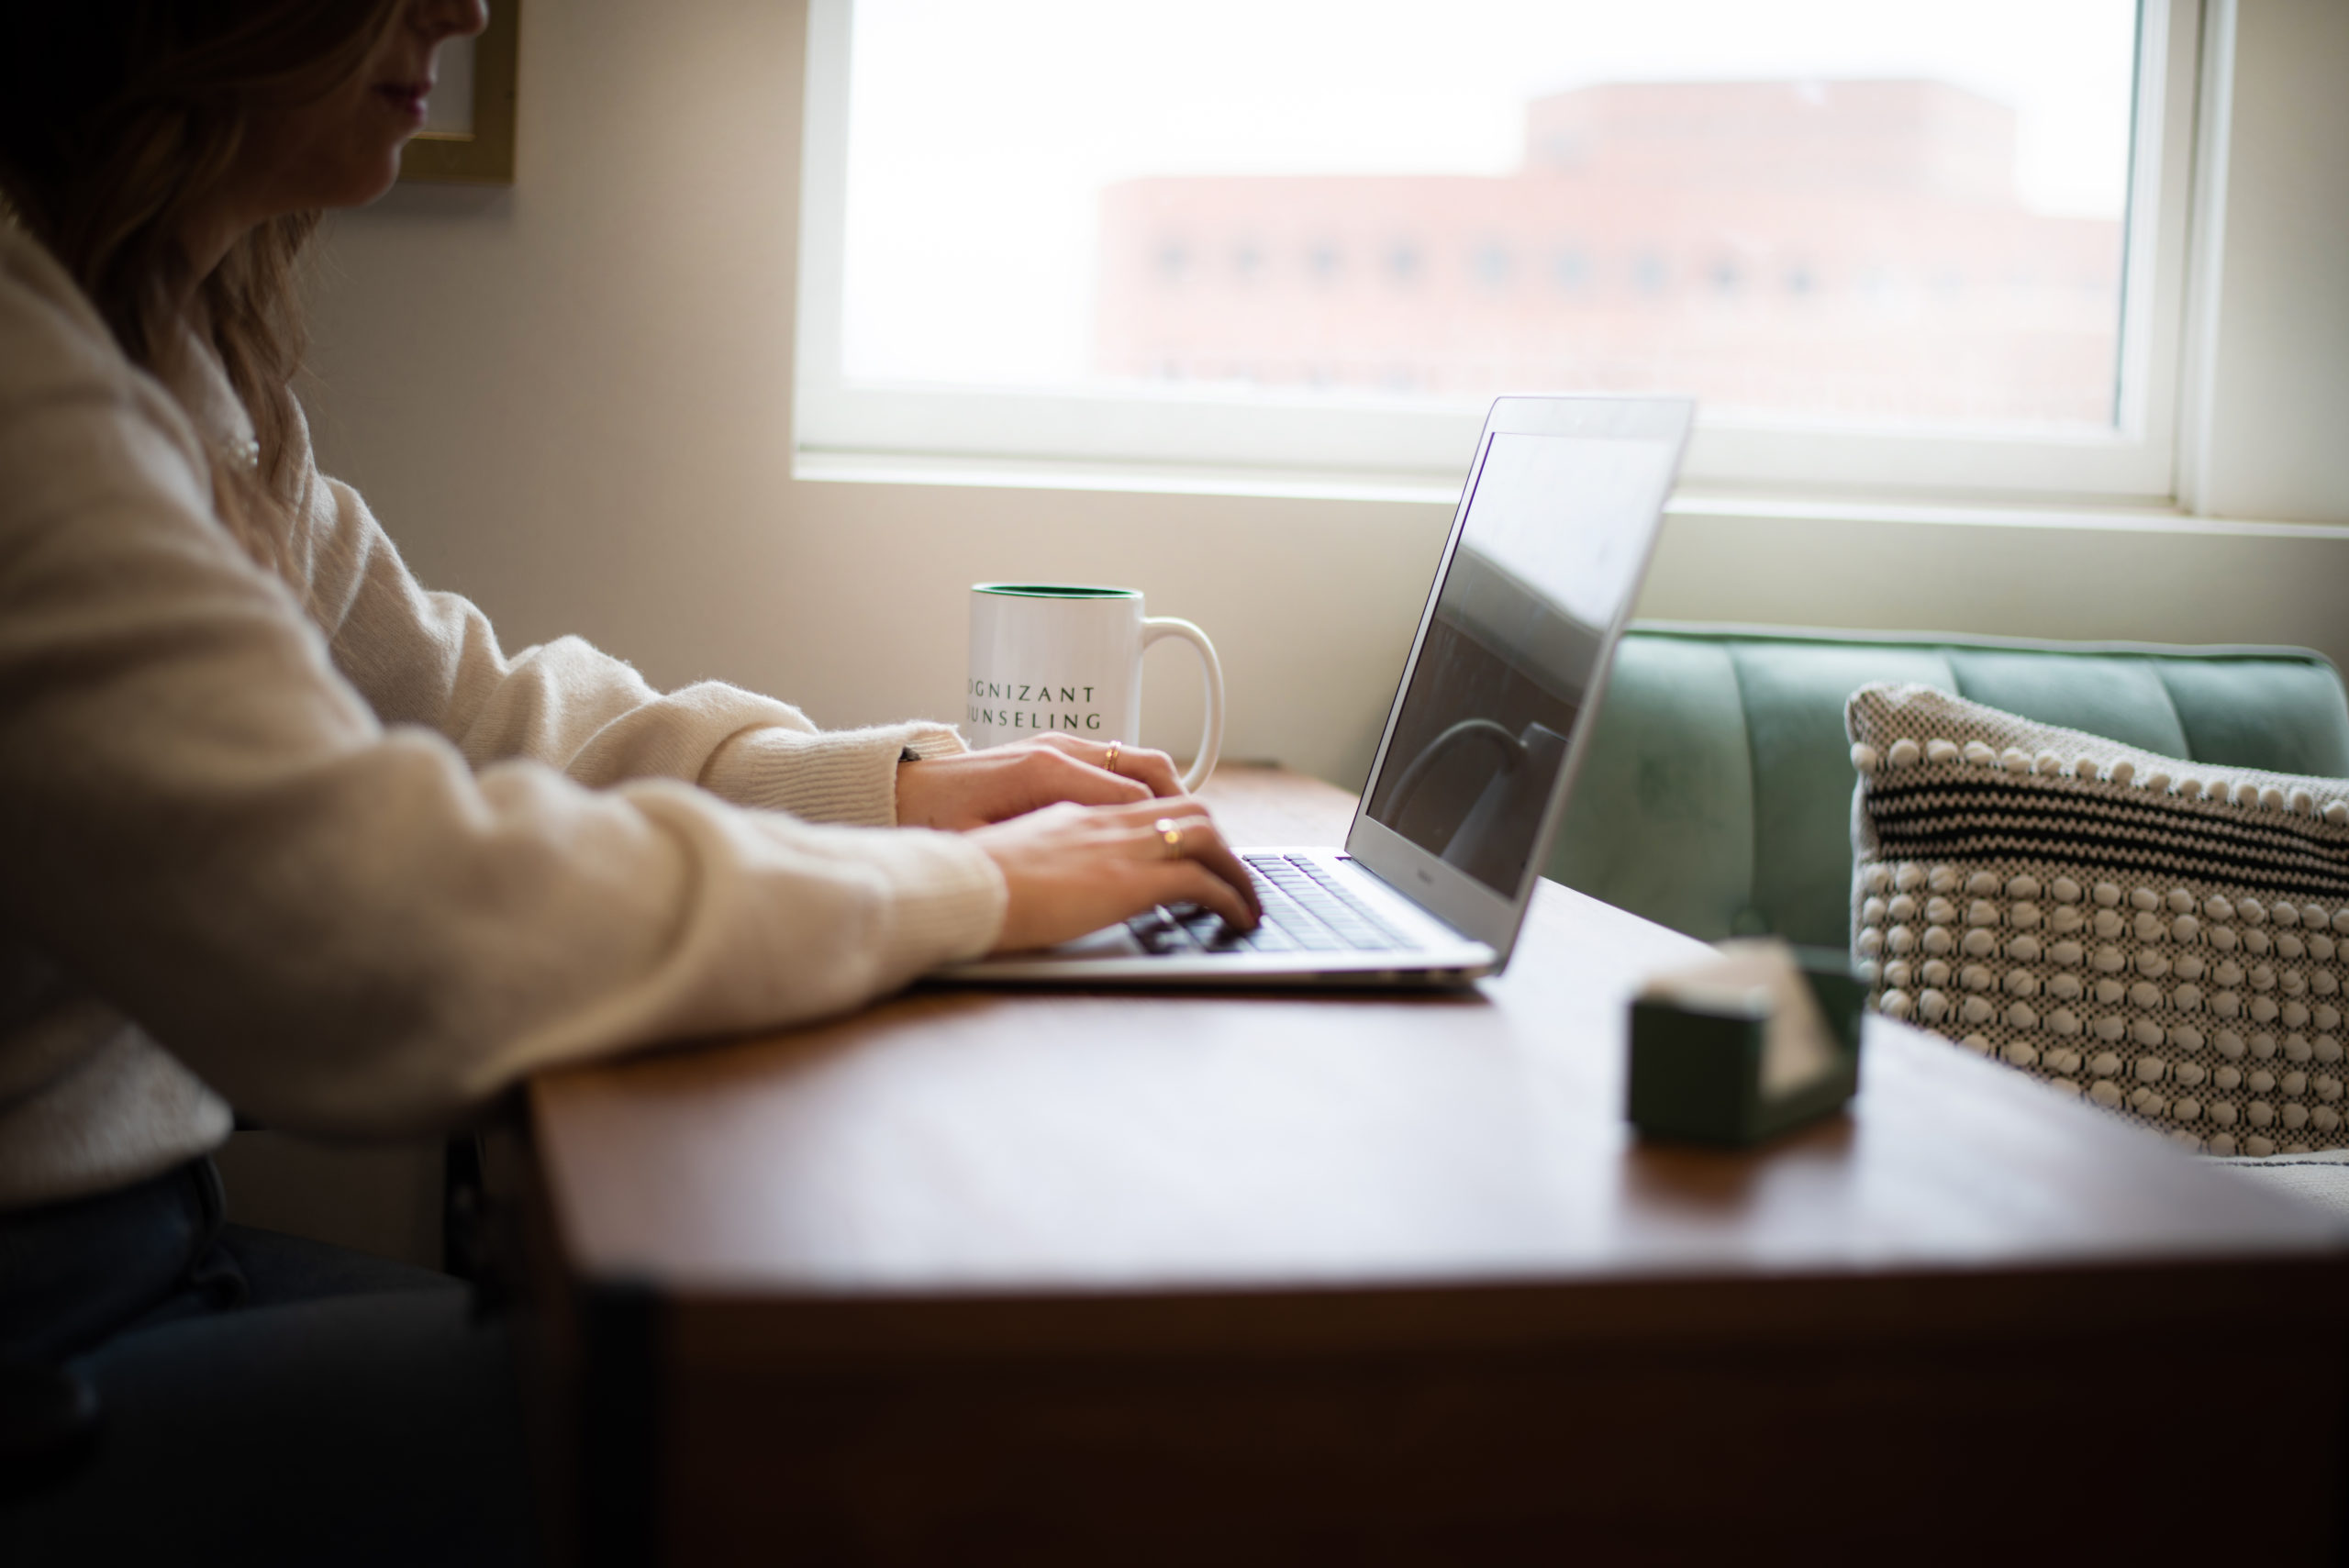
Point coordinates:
pixel 1210 739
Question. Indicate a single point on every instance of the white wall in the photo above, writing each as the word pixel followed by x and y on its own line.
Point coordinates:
pixel 572 401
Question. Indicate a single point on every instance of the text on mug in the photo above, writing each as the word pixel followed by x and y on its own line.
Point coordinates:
pixel 1043 691
pixel 1029 719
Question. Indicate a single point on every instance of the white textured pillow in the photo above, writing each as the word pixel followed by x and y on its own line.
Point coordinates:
pixel 2163 937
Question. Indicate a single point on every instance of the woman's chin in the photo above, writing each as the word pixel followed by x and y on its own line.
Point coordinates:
pixel 378 180
pixel 383 187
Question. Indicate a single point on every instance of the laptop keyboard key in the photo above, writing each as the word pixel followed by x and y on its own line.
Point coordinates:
pixel 1304 910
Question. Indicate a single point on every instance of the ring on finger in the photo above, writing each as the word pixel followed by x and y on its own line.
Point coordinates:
pixel 1170 833
pixel 1109 762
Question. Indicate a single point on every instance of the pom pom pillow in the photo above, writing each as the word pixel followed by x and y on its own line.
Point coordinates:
pixel 2167 939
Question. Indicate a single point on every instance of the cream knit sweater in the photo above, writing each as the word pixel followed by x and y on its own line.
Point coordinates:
pixel 316 848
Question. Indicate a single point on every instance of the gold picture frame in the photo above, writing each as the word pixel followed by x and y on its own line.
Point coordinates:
pixel 483 153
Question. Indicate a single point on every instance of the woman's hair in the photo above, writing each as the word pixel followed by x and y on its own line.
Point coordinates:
pixel 118 119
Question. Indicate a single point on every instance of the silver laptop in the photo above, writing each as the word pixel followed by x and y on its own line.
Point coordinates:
pixel 1490 719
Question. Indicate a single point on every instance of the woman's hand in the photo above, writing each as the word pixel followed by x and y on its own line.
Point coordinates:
pixel 1074 869
pixel 974 788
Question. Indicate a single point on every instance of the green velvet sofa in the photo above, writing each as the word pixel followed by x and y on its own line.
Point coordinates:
pixel 1717 795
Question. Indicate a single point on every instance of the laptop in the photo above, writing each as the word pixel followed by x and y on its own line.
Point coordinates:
pixel 1490 719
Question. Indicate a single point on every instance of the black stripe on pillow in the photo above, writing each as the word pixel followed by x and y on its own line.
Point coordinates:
pixel 2178 816
pixel 1983 817
pixel 2056 831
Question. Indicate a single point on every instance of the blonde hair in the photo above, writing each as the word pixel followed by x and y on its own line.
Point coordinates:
pixel 120 117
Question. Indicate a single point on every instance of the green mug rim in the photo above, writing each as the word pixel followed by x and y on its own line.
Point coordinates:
pixel 1054 591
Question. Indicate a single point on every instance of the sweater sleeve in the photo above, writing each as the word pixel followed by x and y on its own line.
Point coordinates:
pixel 349 925
pixel 433 659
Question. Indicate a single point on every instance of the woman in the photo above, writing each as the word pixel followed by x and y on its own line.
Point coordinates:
pixel 282 831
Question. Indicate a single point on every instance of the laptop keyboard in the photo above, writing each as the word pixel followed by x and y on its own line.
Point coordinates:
pixel 1306 910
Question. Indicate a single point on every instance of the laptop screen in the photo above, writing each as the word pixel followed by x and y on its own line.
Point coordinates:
pixel 1557 534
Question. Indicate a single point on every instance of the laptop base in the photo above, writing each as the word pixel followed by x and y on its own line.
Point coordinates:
pixel 1429 953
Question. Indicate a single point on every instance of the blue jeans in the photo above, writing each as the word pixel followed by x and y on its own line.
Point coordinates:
pixel 262 1399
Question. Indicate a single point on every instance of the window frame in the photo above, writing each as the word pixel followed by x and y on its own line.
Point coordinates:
pixel 1271 444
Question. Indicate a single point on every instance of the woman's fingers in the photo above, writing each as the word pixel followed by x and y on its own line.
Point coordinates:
pixel 1189 882
pixel 973 788
pixel 1193 837
pixel 1155 770
pixel 1058 775
pixel 1070 868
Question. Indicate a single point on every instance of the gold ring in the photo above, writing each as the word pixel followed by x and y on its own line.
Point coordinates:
pixel 1109 762
pixel 1170 833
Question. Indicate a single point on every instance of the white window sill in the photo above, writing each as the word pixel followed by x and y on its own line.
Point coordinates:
pixel 1117 478
pixel 1443 490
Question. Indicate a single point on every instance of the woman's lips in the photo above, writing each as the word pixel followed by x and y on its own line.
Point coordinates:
pixel 408 97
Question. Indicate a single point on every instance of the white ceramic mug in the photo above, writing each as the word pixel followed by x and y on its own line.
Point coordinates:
pixel 1056 657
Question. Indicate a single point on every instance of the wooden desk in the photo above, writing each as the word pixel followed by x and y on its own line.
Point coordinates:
pixel 1116 1279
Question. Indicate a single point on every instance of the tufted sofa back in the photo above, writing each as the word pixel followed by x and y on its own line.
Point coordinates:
pixel 1717 795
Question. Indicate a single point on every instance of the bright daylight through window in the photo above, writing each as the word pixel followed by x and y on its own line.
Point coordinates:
pixel 1863 215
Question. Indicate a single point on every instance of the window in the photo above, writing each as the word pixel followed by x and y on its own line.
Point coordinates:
pixel 1895 246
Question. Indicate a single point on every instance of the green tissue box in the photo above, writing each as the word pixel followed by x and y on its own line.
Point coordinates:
pixel 1697 1070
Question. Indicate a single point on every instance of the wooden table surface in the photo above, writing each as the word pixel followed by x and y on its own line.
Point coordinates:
pixel 984 1181
pixel 1038 1139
